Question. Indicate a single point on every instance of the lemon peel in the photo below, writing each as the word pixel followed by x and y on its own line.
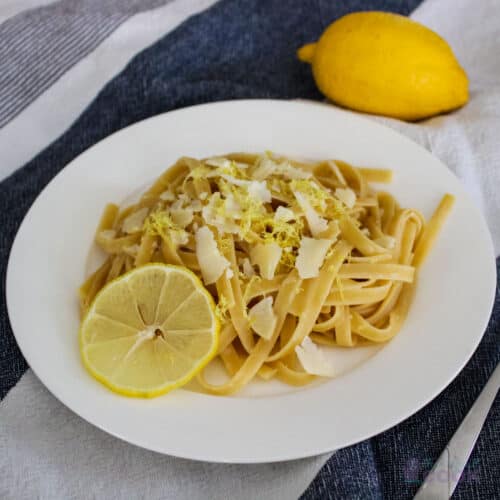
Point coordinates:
pixel 386 64
pixel 148 351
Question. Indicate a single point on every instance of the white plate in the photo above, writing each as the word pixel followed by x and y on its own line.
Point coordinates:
pixel 450 312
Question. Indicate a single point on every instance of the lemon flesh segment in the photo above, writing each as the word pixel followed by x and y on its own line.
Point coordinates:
pixel 149 331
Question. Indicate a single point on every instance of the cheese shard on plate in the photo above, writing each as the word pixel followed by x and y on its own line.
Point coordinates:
pixel 313 359
pixel 212 262
pixel 386 241
pixel 266 256
pixel 347 196
pixel 284 214
pixel 182 217
pixel 311 255
pixel 262 318
pixel 134 222
pixel 248 270
pixel 315 222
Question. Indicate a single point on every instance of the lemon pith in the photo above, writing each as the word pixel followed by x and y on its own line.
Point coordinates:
pixel 149 331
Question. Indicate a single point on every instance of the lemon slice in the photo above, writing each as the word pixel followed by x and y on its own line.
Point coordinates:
pixel 149 331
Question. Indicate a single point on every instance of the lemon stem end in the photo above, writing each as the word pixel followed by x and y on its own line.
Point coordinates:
pixel 306 52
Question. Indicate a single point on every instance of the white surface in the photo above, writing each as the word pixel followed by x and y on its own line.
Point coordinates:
pixel 51 453
pixel 444 326
pixel 38 125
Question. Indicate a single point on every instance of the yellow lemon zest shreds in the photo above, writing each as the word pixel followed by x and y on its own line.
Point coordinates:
pixel 252 210
pixel 233 170
pixel 285 234
pixel 316 195
pixel 284 189
pixel 222 308
pixel 334 209
pixel 160 223
pixel 200 172
pixel 225 244
pixel 287 261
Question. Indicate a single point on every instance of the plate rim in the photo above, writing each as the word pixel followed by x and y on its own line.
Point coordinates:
pixel 291 456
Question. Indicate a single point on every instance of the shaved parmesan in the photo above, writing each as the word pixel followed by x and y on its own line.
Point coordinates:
pixel 290 172
pixel 232 207
pixel 265 167
pixel 218 213
pixel 224 163
pixel 311 256
pixel 347 196
pixel 262 318
pixel 256 189
pixel 131 250
pixel 266 256
pixel 203 195
pixel 196 206
pixel 218 162
pixel 182 216
pixel 247 268
pixel 386 241
pixel 167 195
pixel 212 262
pixel 332 231
pixel 133 223
pixel 240 164
pixel 313 359
pixel 316 223
pixel 177 204
pixel 108 234
pixel 284 214
pixel 179 237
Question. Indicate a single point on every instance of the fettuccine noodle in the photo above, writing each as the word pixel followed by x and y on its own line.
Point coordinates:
pixel 296 255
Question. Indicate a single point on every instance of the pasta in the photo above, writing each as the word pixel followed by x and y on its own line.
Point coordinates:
pixel 296 255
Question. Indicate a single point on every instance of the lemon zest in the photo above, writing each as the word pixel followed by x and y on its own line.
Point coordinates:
pixel 316 195
pixel 222 308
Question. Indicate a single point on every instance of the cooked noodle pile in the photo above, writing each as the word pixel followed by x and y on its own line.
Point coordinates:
pixel 296 255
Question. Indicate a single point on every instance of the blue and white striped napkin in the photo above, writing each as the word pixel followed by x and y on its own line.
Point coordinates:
pixel 56 58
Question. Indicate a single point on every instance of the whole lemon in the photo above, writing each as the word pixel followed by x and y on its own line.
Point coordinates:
pixel 386 64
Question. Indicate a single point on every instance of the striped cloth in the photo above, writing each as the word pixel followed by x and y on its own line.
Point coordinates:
pixel 72 72
pixel 41 44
